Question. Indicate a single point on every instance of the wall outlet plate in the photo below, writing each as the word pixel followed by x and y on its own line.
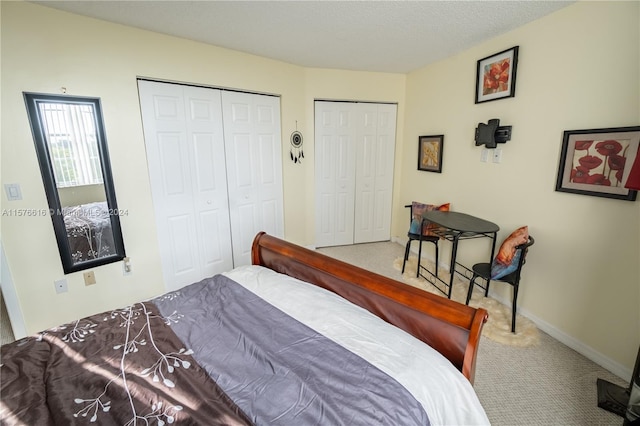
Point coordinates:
pixel 89 278
pixel 60 285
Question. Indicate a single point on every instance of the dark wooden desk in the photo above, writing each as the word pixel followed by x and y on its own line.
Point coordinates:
pixel 455 226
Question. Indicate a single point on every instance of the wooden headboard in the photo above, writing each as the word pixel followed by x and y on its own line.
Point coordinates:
pixel 453 329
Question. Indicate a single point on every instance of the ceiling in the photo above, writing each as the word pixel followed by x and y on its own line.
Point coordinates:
pixel 384 36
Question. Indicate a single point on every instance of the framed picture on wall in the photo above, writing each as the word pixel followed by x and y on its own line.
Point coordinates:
pixel 598 161
pixel 496 76
pixel 430 153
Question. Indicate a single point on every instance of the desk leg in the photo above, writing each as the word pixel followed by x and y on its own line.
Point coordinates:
pixel 452 266
pixel 493 252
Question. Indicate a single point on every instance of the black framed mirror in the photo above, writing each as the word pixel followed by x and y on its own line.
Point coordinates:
pixel 71 145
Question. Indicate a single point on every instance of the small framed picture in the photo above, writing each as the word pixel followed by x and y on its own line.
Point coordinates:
pixel 598 161
pixel 430 153
pixel 496 76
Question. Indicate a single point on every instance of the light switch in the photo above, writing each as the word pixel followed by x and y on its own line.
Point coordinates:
pixel 497 155
pixel 13 191
pixel 484 155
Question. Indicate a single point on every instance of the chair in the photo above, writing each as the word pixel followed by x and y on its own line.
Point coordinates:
pixel 418 236
pixel 483 270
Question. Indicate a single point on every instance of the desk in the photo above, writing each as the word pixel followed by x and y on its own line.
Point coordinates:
pixel 455 226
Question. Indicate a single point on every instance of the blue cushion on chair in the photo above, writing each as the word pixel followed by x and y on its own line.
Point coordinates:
pixel 508 256
pixel 499 270
pixel 415 226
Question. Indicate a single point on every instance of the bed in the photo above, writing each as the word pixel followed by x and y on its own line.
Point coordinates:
pixel 89 231
pixel 296 338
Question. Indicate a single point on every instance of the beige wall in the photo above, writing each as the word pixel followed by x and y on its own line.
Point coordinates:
pixel 582 276
pixel 578 69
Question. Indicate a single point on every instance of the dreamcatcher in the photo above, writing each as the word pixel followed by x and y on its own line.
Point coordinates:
pixel 296 147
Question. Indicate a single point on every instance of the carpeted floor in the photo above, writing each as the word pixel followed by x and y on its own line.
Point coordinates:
pixel 542 384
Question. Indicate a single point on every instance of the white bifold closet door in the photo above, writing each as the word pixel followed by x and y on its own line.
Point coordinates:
pixel 254 168
pixel 355 148
pixel 215 168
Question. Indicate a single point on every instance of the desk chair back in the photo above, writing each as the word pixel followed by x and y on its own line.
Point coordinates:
pixel 483 270
pixel 417 227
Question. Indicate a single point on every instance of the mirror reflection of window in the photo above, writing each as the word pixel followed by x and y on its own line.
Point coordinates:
pixel 71 146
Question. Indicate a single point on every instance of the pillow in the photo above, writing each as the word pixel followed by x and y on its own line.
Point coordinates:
pixel 416 217
pixel 508 256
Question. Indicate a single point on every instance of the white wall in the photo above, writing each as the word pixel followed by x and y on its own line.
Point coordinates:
pixel 578 69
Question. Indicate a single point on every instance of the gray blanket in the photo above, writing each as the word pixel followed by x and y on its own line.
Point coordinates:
pixel 277 370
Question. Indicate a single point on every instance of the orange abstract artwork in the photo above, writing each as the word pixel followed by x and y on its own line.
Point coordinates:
pixel 430 153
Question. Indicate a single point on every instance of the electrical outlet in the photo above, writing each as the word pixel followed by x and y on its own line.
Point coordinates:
pixel 89 278
pixel 60 285
pixel 126 266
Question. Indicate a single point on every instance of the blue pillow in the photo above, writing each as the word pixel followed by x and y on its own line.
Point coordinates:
pixel 415 226
pixel 499 270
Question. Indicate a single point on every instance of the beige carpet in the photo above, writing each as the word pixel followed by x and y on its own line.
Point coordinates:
pixel 498 327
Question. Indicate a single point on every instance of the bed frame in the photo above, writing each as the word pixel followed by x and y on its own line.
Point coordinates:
pixel 453 329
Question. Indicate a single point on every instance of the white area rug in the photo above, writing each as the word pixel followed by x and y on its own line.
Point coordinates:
pixel 498 327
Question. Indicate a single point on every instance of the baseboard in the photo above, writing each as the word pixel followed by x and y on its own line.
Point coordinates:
pixel 573 343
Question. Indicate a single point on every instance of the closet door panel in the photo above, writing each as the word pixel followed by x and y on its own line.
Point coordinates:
pixel 384 166
pixel 335 173
pixel 183 138
pixel 215 246
pixel 254 159
pixel 209 177
pixel 179 228
pixel 366 127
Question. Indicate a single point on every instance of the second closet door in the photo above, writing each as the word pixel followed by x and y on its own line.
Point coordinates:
pixel 254 168
pixel 355 148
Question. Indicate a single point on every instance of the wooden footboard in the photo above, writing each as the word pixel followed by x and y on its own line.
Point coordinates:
pixel 449 327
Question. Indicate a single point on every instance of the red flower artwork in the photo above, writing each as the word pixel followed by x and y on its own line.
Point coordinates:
pixel 583 145
pixel 607 155
pixel 617 162
pixel 608 147
pixel 589 161
pixel 496 76
pixel 579 175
